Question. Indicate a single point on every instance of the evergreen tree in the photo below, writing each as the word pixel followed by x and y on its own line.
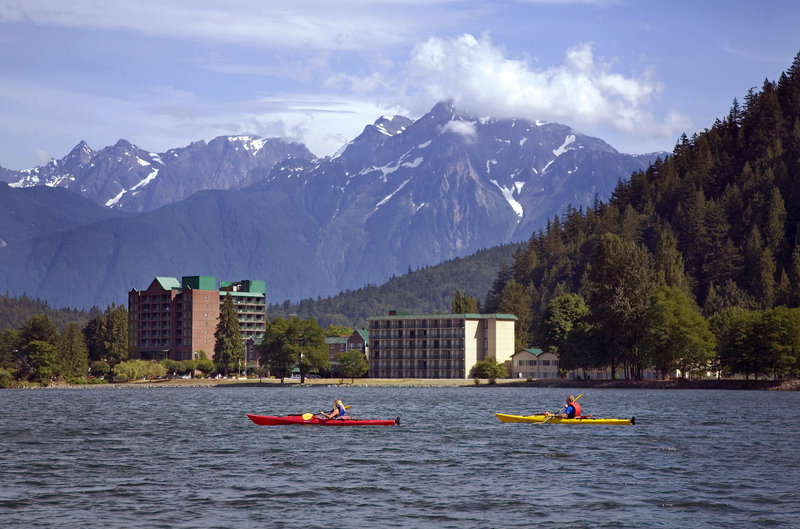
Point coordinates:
pixel 93 332
pixel 464 303
pixel 515 300
pixel 43 360
pixel 669 263
pixel 39 327
pixel 9 349
pixel 775 222
pixel 73 351
pixel 115 334
pixel 229 349
pixel 492 303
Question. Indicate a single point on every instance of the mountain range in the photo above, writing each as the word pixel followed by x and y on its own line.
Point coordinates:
pixel 404 194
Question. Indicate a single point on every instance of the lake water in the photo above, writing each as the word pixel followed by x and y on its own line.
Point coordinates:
pixel 189 457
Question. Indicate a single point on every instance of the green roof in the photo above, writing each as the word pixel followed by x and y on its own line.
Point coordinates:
pixel 168 283
pixel 253 286
pixel 335 339
pixel 534 352
pixel 445 316
pixel 199 282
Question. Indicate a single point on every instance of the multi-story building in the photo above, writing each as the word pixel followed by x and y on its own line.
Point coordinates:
pixel 404 345
pixel 177 320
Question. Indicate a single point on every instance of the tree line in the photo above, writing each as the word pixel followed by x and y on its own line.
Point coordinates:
pixel 37 351
pixel 692 264
pixel 99 350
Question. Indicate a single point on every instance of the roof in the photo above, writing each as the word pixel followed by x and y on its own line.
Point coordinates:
pixel 364 334
pixel 168 283
pixel 534 352
pixel 467 316
pixel 335 339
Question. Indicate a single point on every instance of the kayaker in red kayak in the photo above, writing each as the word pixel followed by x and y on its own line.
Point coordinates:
pixel 571 410
pixel 337 412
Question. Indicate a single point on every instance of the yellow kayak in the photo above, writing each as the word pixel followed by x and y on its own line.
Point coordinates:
pixel 549 419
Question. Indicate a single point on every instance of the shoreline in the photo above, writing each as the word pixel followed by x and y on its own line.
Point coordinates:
pixel 672 384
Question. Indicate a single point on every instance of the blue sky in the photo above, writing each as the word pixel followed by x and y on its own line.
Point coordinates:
pixel 162 74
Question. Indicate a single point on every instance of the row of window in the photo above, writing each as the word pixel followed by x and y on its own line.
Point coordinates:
pixel 419 333
pixel 415 324
pixel 534 362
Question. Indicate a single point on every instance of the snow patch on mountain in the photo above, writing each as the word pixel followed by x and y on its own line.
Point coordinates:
pixel 251 144
pixel 393 193
pixel 569 140
pixel 112 201
pixel 150 177
pixel 415 163
pixel 508 194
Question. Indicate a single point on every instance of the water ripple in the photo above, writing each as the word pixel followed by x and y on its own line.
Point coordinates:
pixel 190 458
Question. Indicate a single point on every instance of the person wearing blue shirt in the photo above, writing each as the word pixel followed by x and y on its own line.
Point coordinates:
pixel 572 409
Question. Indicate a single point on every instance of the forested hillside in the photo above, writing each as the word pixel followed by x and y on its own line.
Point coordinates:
pixel 716 222
pixel 429 290
pixel 14 312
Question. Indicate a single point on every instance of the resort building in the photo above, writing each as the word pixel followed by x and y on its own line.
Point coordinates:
pixel 533 363
pixel 177 320
pixel 340 344
pixel 404 345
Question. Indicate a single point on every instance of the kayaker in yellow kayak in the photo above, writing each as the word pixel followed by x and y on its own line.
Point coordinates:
pixel 337 411
pixel 571 410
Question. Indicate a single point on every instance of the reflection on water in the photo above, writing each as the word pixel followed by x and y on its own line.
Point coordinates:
pixel 179 457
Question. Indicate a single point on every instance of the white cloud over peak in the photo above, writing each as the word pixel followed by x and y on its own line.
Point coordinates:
pixel 465 129
pixel 582 92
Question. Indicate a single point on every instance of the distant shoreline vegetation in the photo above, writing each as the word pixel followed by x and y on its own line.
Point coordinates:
pixel 670 384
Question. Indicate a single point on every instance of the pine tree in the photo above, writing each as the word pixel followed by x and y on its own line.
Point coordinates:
pixel 73 352
pixel 229 349
pixel 115 335
pixel 515 300
pixel 669 263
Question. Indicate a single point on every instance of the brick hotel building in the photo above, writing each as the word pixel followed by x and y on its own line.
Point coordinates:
pixel 172 319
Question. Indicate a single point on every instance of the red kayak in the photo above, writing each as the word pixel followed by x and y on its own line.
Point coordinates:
pixel 308 418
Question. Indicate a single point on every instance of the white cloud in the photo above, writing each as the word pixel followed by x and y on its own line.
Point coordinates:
pixel 582 92
pixel 315 24
pixel 465 129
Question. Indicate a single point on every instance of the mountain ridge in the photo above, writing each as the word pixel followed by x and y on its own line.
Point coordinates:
pixel 403 194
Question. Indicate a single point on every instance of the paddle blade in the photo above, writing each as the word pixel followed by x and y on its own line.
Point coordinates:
pixel 307 416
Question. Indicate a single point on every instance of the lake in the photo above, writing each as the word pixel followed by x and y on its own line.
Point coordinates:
pixel 189 457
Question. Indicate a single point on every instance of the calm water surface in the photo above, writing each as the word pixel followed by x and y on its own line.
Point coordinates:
pixel 178 457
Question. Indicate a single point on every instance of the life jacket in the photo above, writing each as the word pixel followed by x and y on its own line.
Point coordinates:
pixel 577 408
pixel 341 411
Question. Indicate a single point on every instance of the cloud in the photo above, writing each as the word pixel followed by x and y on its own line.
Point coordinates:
pixel 465 129
pixel 312 24
pixel 582 92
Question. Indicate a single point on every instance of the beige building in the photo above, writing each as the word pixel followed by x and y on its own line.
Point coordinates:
pixel 404 345
pixel 534 363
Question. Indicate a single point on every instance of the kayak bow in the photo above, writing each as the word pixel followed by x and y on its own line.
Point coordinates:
pixel 550 419
pixel 272 420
